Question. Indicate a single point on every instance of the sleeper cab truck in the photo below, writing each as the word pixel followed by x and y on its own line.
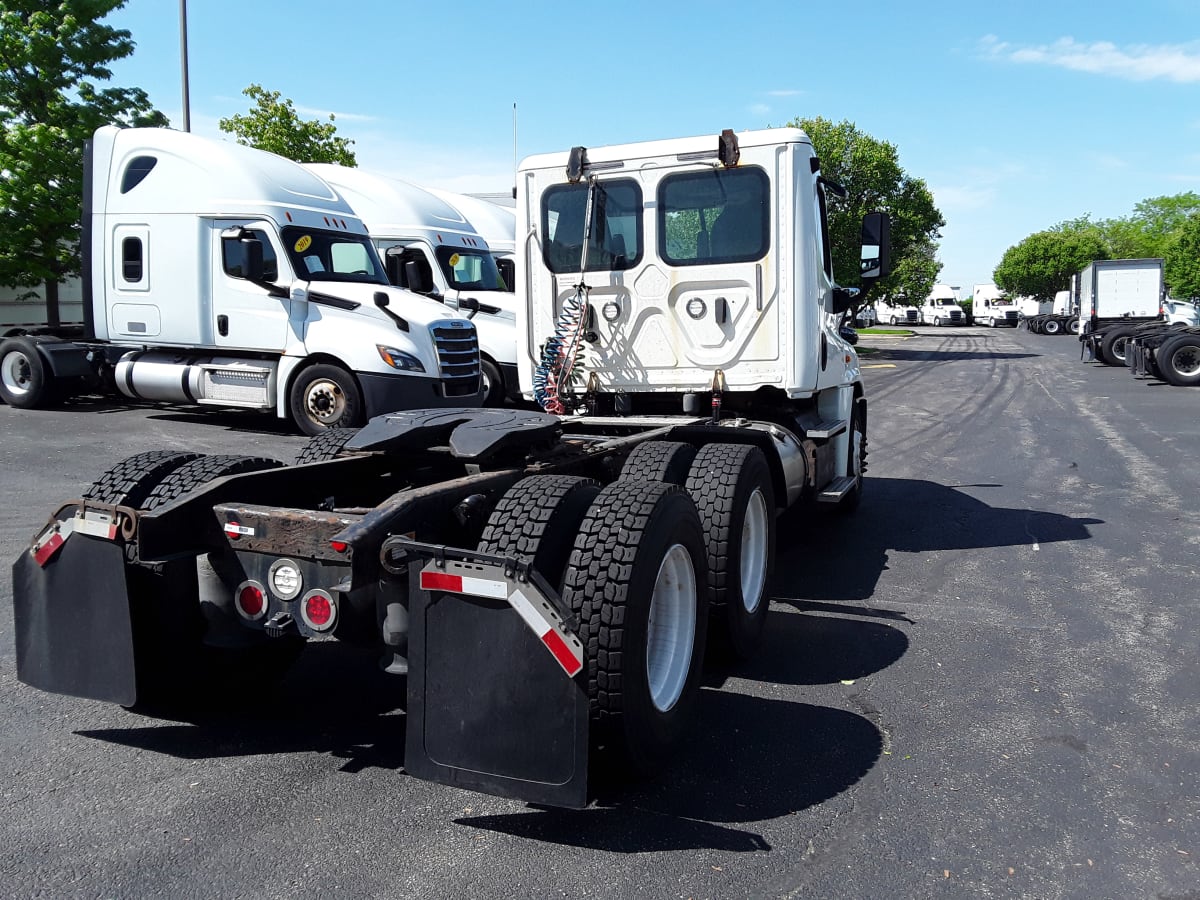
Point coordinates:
pixel 429 247
pixel 497 224
pixel 941 307
pixel 220 275
pixel 680 330
pixel 895 314
pixel 992 308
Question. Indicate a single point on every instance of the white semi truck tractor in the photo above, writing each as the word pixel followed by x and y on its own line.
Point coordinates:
pixel 220 275
pixel 548 582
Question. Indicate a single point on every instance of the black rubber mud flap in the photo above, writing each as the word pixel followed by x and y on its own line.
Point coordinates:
pixel 489 709
pixel 74 632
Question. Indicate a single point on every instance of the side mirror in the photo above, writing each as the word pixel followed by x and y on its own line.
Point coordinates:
pixel 876 246
pixel 843 299
pixel 508 271
pixel 417 278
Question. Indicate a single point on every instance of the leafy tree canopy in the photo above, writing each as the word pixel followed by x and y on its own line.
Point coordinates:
pixel 53 56
pixel 1182 260
pixel 1043 263
pixel 870 171
pixel 274 125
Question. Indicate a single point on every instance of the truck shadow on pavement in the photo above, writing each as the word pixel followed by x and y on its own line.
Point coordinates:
pixel 901 354
pixel 250 421
pixel 823 559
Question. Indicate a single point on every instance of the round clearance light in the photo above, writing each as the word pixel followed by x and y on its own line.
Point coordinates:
pixel 318 610
pixel 250 600
pixel 696 308
pixel 285 579
pixel 611 311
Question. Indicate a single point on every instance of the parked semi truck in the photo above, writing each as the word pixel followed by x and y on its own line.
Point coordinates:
pixel 547 581
pixel 991 307
pixel 429 247
pixel 941 307
pixel 1115 296
pixel 220 275
pixel 897 314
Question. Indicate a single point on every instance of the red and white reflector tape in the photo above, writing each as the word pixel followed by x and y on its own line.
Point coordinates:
pixel 92 522
pixel 541 618
pixel 49 542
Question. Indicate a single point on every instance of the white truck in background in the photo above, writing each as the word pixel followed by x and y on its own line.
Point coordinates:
pixel 497 224
pixel 991 307
pixel 220 275
pixel 428 246
pixel 1115 296
pixel 941 307
pixel 896 314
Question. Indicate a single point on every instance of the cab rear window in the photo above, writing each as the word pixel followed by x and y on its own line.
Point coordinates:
pixel 616 238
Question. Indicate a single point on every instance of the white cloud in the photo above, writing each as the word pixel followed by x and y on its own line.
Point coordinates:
pixel 1135 62
pixel 956 198
pixel 340 116
pixel 759 109
pixel 785 93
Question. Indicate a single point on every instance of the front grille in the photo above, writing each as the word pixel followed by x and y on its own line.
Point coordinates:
pixel 1011 315
pixel 955 315
pixel 911 315
pixel 458 356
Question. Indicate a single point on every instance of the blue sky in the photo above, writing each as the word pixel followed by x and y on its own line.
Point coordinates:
pixel 1017 114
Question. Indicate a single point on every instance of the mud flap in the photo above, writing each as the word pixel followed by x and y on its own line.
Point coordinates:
pixel 74 632
pixel 488 708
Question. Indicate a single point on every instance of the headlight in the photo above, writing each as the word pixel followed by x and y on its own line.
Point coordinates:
pixel 398 359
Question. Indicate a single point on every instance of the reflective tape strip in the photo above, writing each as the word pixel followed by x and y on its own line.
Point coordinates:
pixel 567 655
pixel 42 554
pixel 464 584
pixel 234 530
pixel 96 527
pixel 538 616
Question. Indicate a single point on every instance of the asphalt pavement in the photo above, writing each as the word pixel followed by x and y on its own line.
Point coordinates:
pixel 983 683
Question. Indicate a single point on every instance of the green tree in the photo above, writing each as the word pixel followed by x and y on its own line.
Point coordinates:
pixel 1182 260
pixel 870 171
pixel 53 53
pixel 1043 263
pixel 273 124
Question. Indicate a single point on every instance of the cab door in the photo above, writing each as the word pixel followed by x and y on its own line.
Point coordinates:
pixel 246 315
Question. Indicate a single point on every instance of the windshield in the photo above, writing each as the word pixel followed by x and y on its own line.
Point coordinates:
pixel 944 302
pixel 333 256
pixel 470 270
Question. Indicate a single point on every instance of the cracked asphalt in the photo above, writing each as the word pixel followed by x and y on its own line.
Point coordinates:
pixel 983 683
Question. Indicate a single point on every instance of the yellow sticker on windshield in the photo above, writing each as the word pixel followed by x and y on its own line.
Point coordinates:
pixel 303 244
pixel 454 260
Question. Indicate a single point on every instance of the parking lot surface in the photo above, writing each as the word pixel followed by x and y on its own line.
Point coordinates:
pixel 983 683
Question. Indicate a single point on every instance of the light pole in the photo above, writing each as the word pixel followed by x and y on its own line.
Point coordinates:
pixel 183 58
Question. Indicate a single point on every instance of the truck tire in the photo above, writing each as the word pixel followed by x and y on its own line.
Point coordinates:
pixel 325 396
pixel 1179 360
pixel 937 321
pixel 537 520
pixel 856 464
pixel 1073 325
pixel 1051 326
pixel 892 320
pixel 326 445
pixel 130 481
pixel 734 494
pixel 668 461
pixel 26 382
pixel 493 383
pixel 200 471
pixel 175 667
pixel 635 580
pixel 1111 351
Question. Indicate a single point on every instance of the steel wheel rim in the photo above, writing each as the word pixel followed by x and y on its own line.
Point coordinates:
pixel 325 401
pixel 1118 348
pixel 16 373
pixel 671 629
pixel 1184 360
pixel 754 551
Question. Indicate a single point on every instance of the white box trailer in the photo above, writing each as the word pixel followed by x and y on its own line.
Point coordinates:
pixel 428 246
pixel 1115 296
pixel 220 275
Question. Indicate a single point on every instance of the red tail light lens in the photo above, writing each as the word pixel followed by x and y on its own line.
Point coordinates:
pixel 250 600
pixel 318 610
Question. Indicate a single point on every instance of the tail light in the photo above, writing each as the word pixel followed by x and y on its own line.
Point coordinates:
pixel 318 609
pixel 250 600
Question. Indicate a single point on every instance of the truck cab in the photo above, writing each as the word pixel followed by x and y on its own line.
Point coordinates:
pixel 428 246
pixel 991 307
pixel 941 307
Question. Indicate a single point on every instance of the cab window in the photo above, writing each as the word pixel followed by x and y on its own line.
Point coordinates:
pixel 714 216
pixel 616 240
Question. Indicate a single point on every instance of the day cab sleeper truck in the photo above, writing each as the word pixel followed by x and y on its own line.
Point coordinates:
pixel 221 275
pixel 549 581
